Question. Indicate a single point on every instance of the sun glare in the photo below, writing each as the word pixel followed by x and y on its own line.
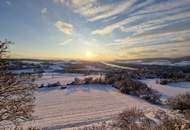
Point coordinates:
pixel 88 54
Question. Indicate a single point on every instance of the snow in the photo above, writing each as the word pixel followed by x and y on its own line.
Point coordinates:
pixel 183 63
pixel 156 62
pixel 19 71
pixel 94 68
pixel 169 90
pixel 118 66
pixel 129 61
pixel 81 104
pixel 31 61
pixel 56 67
pixel 180 85
pixel 63 78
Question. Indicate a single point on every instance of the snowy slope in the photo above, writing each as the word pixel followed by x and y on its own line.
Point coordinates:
pixel 170 89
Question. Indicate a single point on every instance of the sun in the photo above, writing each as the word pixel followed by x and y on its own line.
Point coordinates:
pixel 88 54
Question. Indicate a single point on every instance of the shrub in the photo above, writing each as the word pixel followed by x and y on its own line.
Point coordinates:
pixel 172 124
pixel 16 92
pixel 187 114
pixel 132 118
pixel 88 80
pixel 41 86
pixel 163 81
pixel 137 88
pixel 76 81
pixel 52 85
pixel 135 119
pixel 180 102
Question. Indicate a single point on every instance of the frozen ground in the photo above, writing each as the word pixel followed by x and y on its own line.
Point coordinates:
pixel 169 90
pixel 80 105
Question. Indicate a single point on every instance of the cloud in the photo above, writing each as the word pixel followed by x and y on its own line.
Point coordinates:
pixel 135 23
pixel 8 2
pixel 113 10
pixel 65 42
pixel 96 11
pixel 150 17
pixel 110 28
pixel 64 27
pixel 74 3
pixel 156 38
pixel 44 11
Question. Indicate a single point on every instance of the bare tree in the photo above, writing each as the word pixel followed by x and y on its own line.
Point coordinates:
pixel 16 92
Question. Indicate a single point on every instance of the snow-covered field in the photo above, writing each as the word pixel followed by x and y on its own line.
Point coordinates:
pixel 156 62
pixel 78 105
pixel 169 90
pixel 63 78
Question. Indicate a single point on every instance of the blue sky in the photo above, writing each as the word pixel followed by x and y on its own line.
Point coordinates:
pixel 96 29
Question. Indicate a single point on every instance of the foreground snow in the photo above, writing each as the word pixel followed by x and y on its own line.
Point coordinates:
pixel 81 105
pixel 169 90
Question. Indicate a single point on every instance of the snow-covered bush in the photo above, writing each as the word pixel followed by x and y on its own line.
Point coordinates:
pixel 171 124
pixel 88 80
pixel 132 119
pixel 164 81
pixel 137 88
pixel 16 92
pixel 136 119
pixel 180 102
pixel 52 85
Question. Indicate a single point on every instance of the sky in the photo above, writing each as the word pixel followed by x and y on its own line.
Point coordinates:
pixel 96 29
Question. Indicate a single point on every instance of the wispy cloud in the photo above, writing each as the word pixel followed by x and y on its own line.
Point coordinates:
pixel 74 3
pixel 134 23
pixel 8 2
pixel 65 42
pixel 64 27
pixel 44 11
pixel 158 38
pixel 111 10
pixel 150 17
pixel 95 10
pixel 109 29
